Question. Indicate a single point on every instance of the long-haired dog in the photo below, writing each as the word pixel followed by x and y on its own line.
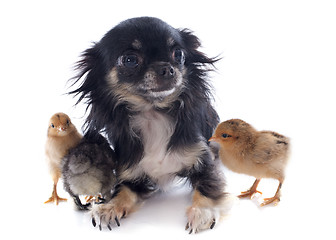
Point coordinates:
pixel 146 87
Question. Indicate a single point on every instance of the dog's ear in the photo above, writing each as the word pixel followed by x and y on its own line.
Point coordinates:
pixel 90 71
pixel 193 55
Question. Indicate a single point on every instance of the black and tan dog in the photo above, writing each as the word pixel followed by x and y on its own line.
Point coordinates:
pixel 146 87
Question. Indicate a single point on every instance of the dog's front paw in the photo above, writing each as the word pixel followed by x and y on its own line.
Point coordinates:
pixel 110 213
pixel 106 215
pixel 200 218
pixel 205 212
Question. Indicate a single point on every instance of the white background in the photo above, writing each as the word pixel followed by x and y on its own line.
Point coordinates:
pixel 277 72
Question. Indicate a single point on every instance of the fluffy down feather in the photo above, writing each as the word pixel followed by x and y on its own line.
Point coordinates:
pixel 88 169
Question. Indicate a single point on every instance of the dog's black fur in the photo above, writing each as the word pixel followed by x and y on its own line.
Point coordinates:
pixel 113 73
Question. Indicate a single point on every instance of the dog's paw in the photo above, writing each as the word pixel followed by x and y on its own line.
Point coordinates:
pixel 204 212
pixel 200 218
pixel 109 214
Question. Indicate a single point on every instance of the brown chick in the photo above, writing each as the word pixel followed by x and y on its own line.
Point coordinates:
pixel 262 154
pixel 62 136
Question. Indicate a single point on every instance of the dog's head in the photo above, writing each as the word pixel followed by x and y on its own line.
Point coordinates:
pixel 142 60
pixel 147 59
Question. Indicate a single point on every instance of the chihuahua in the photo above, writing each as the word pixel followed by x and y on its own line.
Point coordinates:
pixel 147 89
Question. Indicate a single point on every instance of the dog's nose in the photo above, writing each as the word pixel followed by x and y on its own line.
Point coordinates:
pixel 166 71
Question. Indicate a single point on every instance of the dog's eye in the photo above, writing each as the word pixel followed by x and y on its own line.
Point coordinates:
pixel 130 61
pixel 178 56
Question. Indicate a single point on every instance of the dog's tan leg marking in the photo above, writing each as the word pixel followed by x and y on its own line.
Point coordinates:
pixel 201 201
pixel 125 202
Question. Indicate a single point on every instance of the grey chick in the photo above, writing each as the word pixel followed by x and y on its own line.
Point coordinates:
pixel 89 169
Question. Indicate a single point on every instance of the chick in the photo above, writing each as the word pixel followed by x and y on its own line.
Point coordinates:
pixel 262 154
pixel 62 136
pixel 89 169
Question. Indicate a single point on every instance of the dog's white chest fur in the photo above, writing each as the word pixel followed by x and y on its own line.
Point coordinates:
pixel 158 162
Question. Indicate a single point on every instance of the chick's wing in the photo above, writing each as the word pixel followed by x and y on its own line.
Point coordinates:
pixel 270 146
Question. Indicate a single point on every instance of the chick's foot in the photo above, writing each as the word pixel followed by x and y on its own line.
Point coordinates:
pixel 252 191
pixel 89 198
pixel 249 193
pixel 55 198
pixel 96 199
pixel 275 200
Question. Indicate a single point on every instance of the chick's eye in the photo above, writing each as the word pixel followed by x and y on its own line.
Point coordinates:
pixel 225 135
pixel 178 56
pixel 68 122
pixel 130 61
pixel 52 125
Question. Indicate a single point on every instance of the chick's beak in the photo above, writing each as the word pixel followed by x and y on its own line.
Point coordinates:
pixel 213 139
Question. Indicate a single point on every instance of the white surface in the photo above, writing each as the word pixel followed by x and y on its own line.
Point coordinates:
pixel 277 73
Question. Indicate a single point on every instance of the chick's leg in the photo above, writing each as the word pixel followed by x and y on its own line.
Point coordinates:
pixel 54 196
pixel 275 199
pixel 253 190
